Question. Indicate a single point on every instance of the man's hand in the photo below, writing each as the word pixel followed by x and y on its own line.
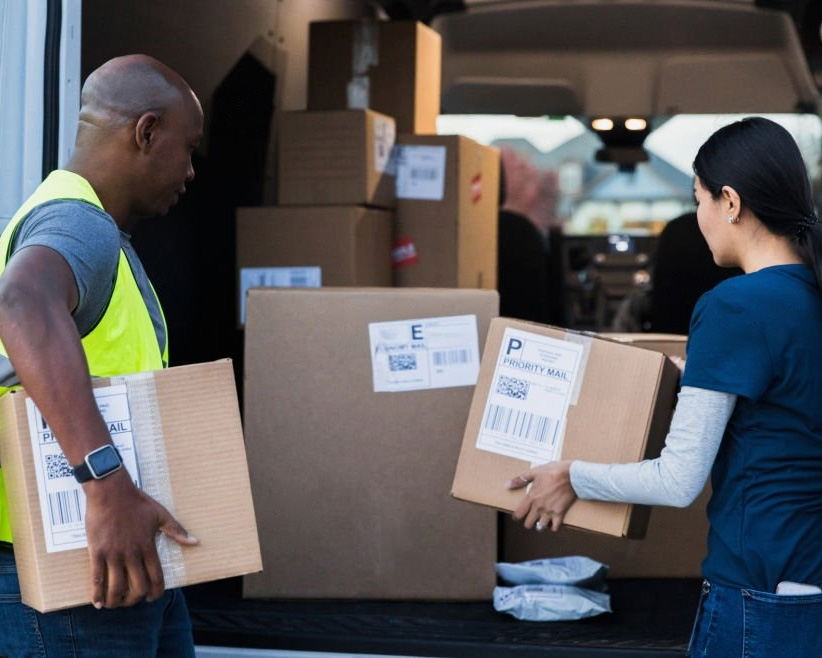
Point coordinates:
pixel 121 525
pixel 548 498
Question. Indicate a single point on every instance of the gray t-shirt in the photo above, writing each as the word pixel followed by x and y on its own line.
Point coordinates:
pixel 90 242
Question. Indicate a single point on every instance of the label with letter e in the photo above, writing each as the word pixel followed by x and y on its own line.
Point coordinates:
pixel 533 382
pixel 62 500
pixel 412 355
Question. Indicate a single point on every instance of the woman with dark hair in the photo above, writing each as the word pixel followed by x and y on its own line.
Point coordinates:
pixel 749 411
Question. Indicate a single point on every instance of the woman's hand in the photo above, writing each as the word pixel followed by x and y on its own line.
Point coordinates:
pixel 548 498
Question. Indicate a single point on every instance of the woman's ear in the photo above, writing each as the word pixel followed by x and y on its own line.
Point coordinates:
pixel 732 202
pixel 145 132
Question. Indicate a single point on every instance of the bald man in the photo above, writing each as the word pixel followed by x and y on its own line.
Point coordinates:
pixel 75 302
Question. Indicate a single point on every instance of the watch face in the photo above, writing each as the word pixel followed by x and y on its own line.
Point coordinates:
pixel 104 461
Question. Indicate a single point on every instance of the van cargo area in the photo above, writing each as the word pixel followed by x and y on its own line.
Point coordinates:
pixel 328 150
pixel 651 618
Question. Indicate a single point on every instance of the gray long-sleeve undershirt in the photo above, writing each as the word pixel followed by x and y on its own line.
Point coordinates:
pixel 679 474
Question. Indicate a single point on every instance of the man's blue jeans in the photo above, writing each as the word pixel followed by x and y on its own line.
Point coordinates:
pixel 161 628
pixel 744 623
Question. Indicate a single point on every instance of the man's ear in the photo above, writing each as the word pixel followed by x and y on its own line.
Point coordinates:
pixel 145 132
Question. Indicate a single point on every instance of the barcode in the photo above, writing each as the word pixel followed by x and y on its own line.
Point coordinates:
pixel 57 466
pixel 416 173
pixel 520 424
pixel 64 507
pixel 513 387
pixel 451 357
pixel 399 362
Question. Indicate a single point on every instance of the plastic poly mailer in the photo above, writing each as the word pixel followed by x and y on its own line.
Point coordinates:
pixel 550 602
pixel 574 570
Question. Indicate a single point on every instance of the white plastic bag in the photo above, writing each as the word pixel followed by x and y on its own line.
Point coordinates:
pixel 573 570
pixel 550 602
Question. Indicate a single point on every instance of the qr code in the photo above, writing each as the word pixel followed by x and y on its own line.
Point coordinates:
pixel 57 466
pixel 397 362
pixel 512 387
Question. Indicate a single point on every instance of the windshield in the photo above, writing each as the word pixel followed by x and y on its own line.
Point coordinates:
pixel 552 175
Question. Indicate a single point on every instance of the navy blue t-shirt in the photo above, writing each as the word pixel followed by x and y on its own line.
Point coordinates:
pixel 759 336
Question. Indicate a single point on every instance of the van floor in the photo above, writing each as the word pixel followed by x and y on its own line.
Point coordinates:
pixel 650 618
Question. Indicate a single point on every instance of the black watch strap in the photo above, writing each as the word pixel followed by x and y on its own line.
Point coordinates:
pixel 82 473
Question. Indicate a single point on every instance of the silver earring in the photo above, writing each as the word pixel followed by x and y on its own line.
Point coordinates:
pixel 730 218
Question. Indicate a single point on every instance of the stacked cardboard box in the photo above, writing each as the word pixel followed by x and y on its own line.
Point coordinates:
pixel 335 158
pixel 180 436
pixel 393 67
pixel 347 245
pixel 355 404
pixel 546 393
pixel 445 232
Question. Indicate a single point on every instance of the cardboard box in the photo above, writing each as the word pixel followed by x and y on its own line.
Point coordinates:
pixel 335 158
pixel 546 393
pixel 351 245
pixel 393 67
pixel 676 540
pixel 181 426
pixel 447 212
pixel 670 344
pixel 354 481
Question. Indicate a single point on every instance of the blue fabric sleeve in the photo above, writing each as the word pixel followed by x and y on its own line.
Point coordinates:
pixel 88 239
pixel 727 350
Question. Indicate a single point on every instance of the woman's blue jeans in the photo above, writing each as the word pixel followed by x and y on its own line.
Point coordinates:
pixel 744 623
pixel 161 628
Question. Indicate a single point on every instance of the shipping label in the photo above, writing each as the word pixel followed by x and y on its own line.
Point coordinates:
pixel 281 277
pixel 420 172
pixel 62 500
pixel 529 395
pixel 428 353
pixel 385 134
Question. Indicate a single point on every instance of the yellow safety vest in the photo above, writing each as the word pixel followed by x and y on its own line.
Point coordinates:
pixel 123 340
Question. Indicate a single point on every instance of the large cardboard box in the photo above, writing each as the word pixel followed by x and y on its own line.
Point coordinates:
pixel 546 393
pixel 676 540
pixel 393 67
pixel 351 245
pixel 447 212
pixel 351 462
pixel 179 433
pixel 335 158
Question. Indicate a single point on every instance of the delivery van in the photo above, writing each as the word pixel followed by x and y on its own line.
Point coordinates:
pixel 590 110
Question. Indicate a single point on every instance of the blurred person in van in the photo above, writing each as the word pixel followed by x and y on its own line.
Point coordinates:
pixel 522 263
pixel 683 270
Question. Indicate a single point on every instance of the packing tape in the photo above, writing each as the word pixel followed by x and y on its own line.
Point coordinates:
pixel 147 430
pixel 585 341
pixel 364 55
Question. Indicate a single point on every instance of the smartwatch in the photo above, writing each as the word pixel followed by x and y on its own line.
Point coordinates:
pixel 98 464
